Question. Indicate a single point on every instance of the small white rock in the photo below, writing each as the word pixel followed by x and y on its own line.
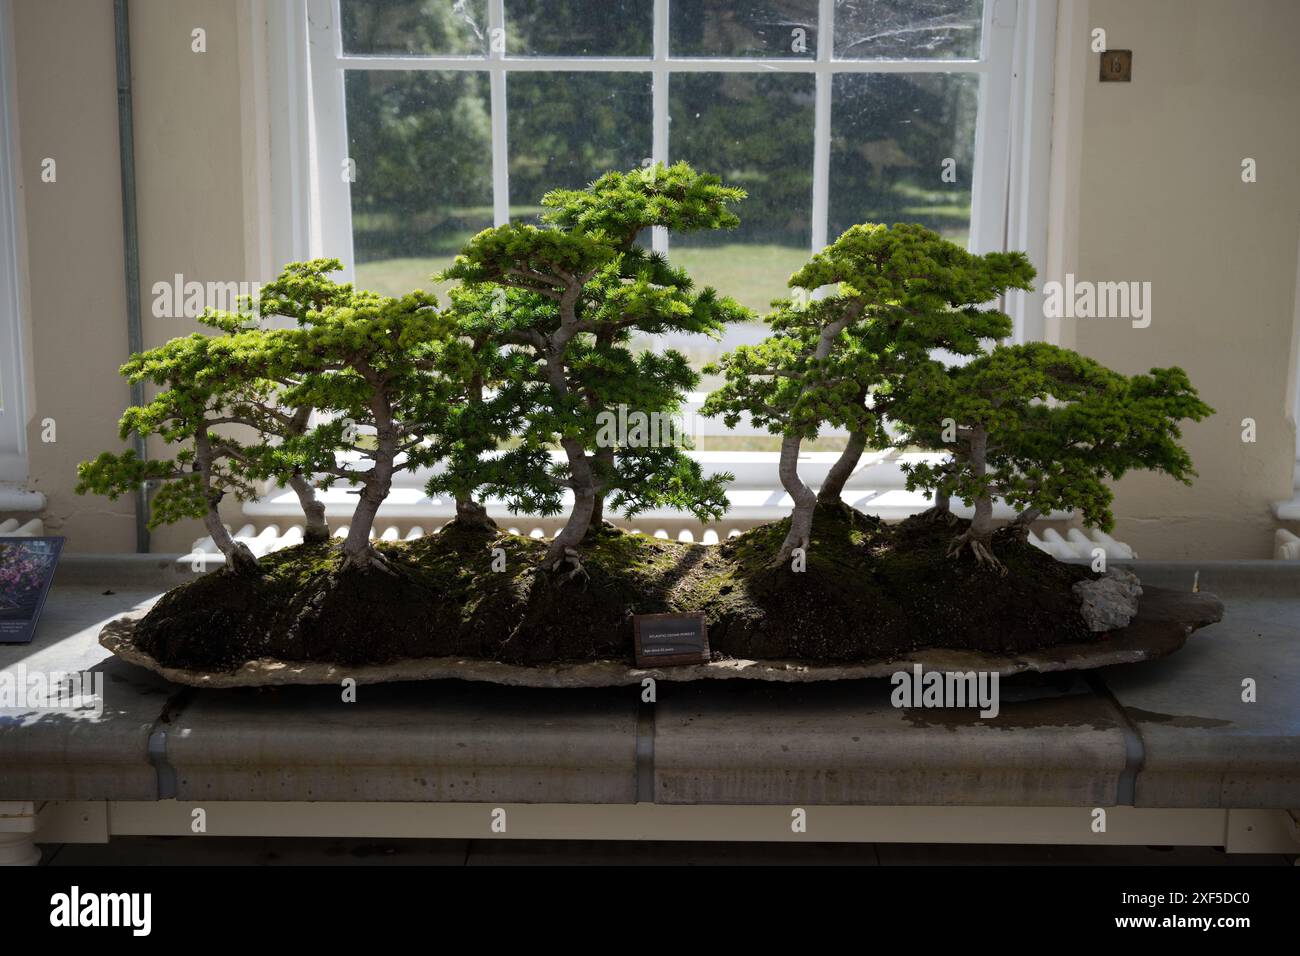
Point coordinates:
pixel 1110 602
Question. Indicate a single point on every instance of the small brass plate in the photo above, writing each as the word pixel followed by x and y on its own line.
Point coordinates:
pixel 1117 66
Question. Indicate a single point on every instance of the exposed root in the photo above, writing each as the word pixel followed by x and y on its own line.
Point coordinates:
pixel 577 571
pixel 783 556
pixel 241 561
pixel 981 547
pixel 368 559
pixel 935 514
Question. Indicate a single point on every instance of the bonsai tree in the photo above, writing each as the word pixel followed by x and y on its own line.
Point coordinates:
pixel 899 293
pixel 571 293
pixel 1042 428
pixel 367 363
pixel 205 386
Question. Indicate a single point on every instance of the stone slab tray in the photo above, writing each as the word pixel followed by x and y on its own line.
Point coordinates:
pixel 1164 620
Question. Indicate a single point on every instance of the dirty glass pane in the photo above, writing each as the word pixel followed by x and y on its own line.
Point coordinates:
pixel 580 27
pixel 405 27
pixel 785 28
pixel 568 128
pixel 908 29
pixel 755 131
pixel 896 141
pixel 422 145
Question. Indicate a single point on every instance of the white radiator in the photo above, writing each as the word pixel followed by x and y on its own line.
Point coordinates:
pixel 35 528
pixel 1074 544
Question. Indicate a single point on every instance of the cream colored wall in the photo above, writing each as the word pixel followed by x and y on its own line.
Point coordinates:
pixel 189 182
pixel 189 165
pixel 75 302
pixel 1161 200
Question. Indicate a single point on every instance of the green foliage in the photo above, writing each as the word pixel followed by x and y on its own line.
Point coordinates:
pixel 899 293
pixel 569 295
pixel 1055 426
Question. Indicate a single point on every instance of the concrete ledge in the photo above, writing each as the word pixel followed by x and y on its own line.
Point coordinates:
pixel 442 741
pixel 849 745
pixel 80 754
pixel 1198 744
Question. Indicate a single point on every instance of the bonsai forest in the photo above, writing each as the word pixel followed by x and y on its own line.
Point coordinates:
pixel 503 391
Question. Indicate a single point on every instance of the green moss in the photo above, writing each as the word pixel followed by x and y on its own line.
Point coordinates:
pixel 869 590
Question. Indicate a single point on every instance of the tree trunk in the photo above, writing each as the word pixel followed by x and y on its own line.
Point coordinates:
pixel 472 515
pixel 604 456
pixel 584 505
pixel 316 529
pixel 833 488
pixel 1027 517
pixel 239 559
pixel 805 502
pixel 357 552
pixel 564 546
pixel 978 537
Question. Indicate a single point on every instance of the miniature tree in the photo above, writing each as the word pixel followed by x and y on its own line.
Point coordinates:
pixel 572 292
pixel 1042 428
pixel 364 361
pixel 900 293
pixel 204 380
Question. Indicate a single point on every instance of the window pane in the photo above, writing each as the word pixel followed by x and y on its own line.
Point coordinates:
pixel 422 144
pixel 568 128
pixel 908 29
pixel 755 131
pixel 401 27
pixel 890 136
pixel 580 27
pixel 725 28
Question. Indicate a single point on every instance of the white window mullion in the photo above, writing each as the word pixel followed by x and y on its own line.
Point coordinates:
pixel 822 125
pixel 332 202
pixel 659 102
pixel 500 126
pixel 988 232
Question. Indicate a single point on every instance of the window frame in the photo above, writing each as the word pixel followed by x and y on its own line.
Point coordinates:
pixel 1015 187
pixel 995 66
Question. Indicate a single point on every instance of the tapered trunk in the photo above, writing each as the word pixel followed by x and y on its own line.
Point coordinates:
pixel 805 501
pixel 978 537
pixel 316 529
pixel 357 552
pixel 584 505
pixel 582 479
pixel 1027 517
pixel 833 488
pixel 471 515
pixel 239 558
pixel 605 463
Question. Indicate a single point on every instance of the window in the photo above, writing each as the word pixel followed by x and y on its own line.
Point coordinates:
pixel 13 421
pixel 433 119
